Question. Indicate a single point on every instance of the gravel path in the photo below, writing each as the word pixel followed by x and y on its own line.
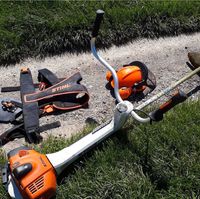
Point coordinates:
pixel 165 57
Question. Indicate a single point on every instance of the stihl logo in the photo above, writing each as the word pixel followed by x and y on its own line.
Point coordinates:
pixel 43 162
pixel 59 88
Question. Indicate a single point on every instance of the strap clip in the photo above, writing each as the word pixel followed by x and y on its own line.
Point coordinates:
pixel 24 70
pixel 8 106
pixel 48 109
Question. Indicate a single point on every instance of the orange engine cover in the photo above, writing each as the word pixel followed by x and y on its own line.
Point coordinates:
pixel 33 174
pixel 127 76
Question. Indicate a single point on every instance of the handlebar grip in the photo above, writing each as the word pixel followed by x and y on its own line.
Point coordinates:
pixel 177 98
pixel 97 22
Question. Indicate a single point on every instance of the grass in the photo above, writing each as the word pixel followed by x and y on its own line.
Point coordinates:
pixel 45 28
pixel 140 161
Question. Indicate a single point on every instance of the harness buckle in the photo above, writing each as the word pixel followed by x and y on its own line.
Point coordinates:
pixel 8 106
pixel 24 70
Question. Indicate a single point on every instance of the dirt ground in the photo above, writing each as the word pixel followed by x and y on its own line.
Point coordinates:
pixel 165 57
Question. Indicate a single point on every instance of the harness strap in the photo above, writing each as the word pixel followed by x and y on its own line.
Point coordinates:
pixel 18 131
pixel 45 75
pixel 10 89
pixel 30 110
pixel 65 95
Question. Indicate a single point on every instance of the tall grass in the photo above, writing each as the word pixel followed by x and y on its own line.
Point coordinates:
pixel 41 28
pixel 161 160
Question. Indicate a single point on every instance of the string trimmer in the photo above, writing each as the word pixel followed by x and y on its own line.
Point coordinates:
pixel 30 174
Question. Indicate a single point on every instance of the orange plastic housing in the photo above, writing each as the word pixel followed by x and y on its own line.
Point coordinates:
pixel 125 92
pixel 127 76
pixel 40 181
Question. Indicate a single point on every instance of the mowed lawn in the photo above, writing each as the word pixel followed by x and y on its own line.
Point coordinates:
pixel 45 28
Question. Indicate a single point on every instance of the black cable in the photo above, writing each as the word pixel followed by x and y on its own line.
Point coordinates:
pixel 141 111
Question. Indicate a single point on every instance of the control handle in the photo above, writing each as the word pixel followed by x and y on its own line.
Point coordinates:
pixel 177 98
pixel 97 22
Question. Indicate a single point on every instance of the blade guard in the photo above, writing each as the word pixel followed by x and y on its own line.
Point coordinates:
pixel 32 173
pixel 67 94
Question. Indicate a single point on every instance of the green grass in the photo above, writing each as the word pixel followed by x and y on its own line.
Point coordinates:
pixel 45 28
pixel 161 160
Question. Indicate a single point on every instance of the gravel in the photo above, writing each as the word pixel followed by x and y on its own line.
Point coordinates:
pixel 165 57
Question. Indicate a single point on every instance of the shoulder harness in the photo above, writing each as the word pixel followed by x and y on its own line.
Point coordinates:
pixel 53 94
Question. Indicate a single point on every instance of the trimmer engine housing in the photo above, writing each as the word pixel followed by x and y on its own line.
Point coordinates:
pixel 32 173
